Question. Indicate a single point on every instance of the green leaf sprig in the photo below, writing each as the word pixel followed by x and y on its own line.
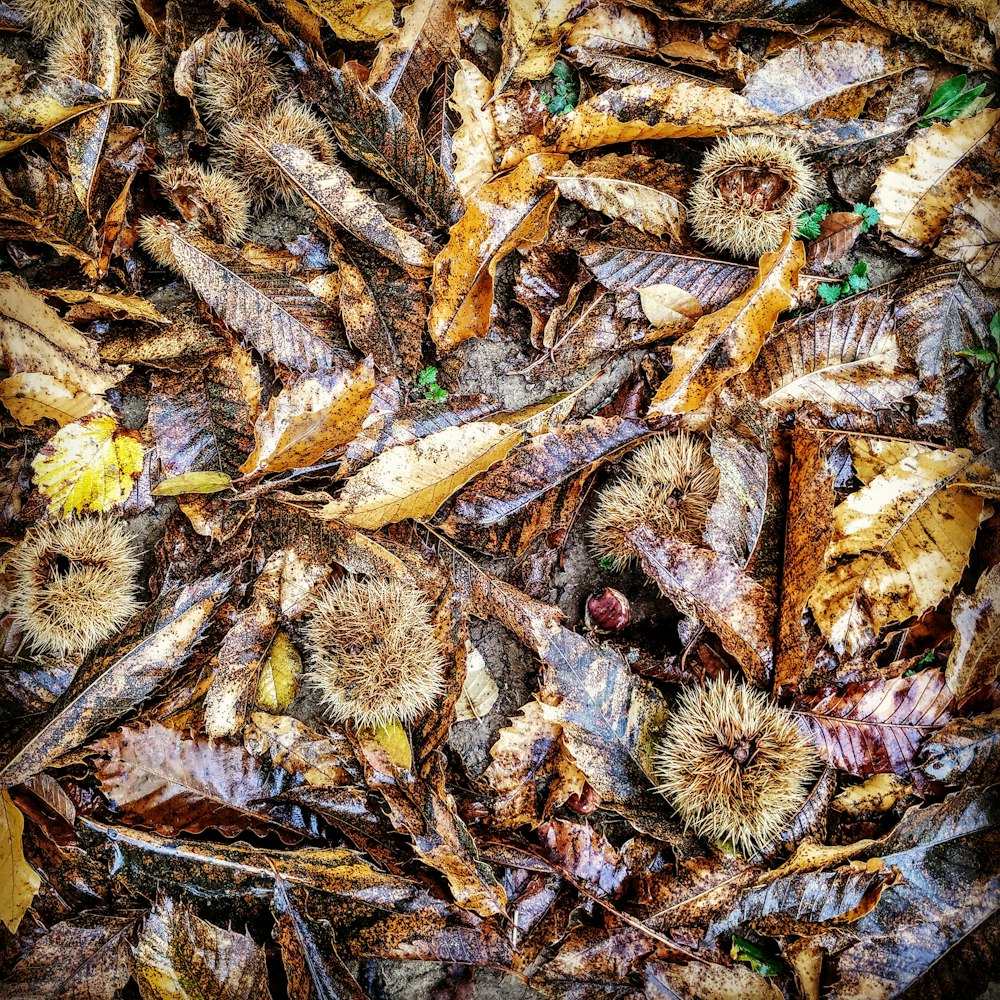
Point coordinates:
pixel 989 356
pixel 856 281
pixel 428 381
pixel 954 99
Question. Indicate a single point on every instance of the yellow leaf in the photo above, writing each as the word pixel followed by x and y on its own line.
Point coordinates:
pixel 916 193
pixel 508 213
pixel 726 342
pixel 666 305
pixel 355 20
pixel 413 480
pixel 90 465
pixel 18 880
pixel 392 739
pixel 899 546
pixel 643 111
pixel 475 143
pixel 309 418
pixel 32 396
pixel 879 794
pixel 193 482
pixel 33 116
pixel 643 191
pixel 533 31
pixel 34 339
pixel 280 675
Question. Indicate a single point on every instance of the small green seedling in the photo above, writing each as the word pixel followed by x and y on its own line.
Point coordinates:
pixel 808 226
pixel 989 356
pixel 428 381
pixel 566 92
pixel 856 281
pixel 606 562
pixel 764 960
pixel 954 99
pixel 869 216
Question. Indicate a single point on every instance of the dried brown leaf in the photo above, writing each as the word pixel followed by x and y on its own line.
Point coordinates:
pixel 975 656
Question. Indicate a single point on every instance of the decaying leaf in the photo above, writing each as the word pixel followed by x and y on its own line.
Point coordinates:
pixel 18 880
pixel 972 235
pixel 666 305
pixel 533 31
pixel 479 691
pixel 916 193
pixel 89 465
pixel 475 145
pixel 180 957
pixel 963 750
pixel 975 657
pixel 508 213
pixel 414 480
pixel 32 396
pixel 726 342
pixel 899 546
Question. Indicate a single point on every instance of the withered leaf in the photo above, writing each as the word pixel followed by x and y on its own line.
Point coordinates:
pixel 962 751
pixel 975 656
pixel 730 602
pixel 943 908
pixel 20 881
pixel 672 982
pixel 130 668
pixel 414 480
pixel 872 726
pixel 584 854
pixel 27 119
pixel 181 956
pixel 309 418
pixel 275 312
pixel 505 509
pixel 32 396
pixel 838 232
pixel 376 133
pixel 474 144
pixel 86 956
pixel 508 213
pixel 357 22
pixel 533 31
pixel 407 61
pixel 726 342
pixel 972 235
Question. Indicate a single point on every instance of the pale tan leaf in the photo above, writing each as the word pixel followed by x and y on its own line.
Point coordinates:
pixel 640 190
pixel 880 793
pixel 727 342
pixel 34 339
pixel 355 20
pixel 666 305
pixel 975 657
pixel 309 418
pixel 972 235
pixel 916 193
pixel 330 191
pixel 86 304
pixel 33 114
pixel 480 690
pixel 18 880
pixel 406 61
pixel 414 480
pixel 475 144
pixel 89 465
pixel 277 314
pixel 509 213
pixel 899 547
pixel 533 31
pixel 31 397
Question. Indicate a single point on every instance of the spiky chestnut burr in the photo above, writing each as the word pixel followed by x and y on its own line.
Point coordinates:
pixel 74 583
pixel 750 189
pixel 289 122
pixel 374 655
pixel 140 70
pixel 208 198
pixel 239 80
pixel 669 484
pixel 734 765
pixel 46 17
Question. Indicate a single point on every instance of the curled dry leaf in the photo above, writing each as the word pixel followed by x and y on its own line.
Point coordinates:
pixel 668 306
pixel 32 396
pixel 864 728
pixel 33 115
pixel 354 21
pixel 152 647
pixel 406 62
pixel 730 602
pixel 879 794
pixel 533 31
pixel 917 192
pixel 89 465
pixel 18 880
pixel 412 481
pixel 975 655
pixel 509 213
pixel 972 235
pixel 179 955
pixel 35 339
pixel 644 192
pixel 309 418
pixel 726 342
pixel 838 232
pixel 899 546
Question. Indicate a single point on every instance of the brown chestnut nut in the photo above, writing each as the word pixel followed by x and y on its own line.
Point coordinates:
pixel 585 801
pixel 606 611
